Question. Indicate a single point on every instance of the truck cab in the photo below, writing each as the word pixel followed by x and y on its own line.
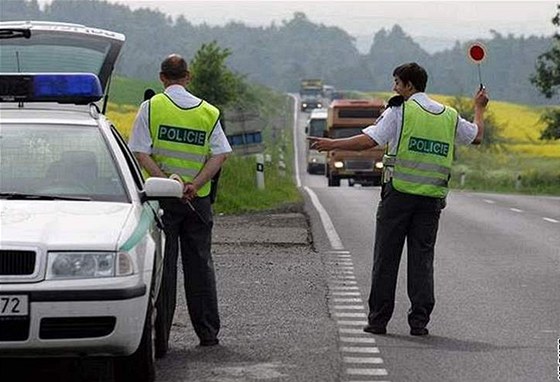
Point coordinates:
pixel 346 118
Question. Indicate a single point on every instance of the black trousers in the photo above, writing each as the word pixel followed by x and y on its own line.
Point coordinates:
pixel 415 218
pixel 194 235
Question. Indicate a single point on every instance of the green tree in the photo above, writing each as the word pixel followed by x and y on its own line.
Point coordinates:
pixel 211 78
pixel 547 80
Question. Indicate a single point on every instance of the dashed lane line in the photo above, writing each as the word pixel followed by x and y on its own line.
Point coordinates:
pixel 374 360
pixel 360 355
pixel 550 220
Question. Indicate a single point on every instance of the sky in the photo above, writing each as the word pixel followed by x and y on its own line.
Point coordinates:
pixel 435 25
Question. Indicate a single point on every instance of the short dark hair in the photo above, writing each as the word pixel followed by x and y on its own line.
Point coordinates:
pixel 413 73
pixel 174 67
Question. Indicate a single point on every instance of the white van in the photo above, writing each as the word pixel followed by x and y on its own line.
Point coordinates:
pixel 316 125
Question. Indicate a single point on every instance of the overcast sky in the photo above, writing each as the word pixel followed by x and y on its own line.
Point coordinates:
pixel 438 22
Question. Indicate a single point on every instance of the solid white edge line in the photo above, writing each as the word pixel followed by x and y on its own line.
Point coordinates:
pixel 336 243
pixel 328 225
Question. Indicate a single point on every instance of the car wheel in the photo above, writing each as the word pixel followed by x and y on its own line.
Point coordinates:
pixel 140 365
pixel 161 345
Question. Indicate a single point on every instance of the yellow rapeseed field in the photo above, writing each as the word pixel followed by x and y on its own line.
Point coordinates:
pixel 520 127
pixel 123 117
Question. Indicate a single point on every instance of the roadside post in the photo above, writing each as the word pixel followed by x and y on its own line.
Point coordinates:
pixel 260 171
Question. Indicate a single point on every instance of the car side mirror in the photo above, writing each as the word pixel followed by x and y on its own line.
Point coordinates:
pixel 162 188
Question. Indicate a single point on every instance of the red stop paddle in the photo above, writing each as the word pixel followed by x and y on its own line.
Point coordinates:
pixel 477 54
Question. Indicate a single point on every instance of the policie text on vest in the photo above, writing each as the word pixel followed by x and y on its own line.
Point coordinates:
pixel 181 135
pixel 428 147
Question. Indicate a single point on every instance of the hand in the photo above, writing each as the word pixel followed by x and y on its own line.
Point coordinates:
pixel 481 98
pixel 189 191
pixel 320 144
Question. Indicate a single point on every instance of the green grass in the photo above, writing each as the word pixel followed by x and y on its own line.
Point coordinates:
pixel 237 189
pixel 506 172
pixel 238 192
pixel 129 91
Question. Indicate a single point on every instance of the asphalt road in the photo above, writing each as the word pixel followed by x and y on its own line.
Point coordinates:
pixel 497 277
pixel 293 291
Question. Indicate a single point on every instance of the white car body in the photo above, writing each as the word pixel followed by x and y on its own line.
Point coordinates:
pixel 77 277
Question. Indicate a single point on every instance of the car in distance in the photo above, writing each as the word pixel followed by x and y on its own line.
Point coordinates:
pixel 81 244
pixel 315 127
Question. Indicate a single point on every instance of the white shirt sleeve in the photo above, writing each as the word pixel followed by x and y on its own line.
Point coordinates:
pixel 385 129
pixel 140 138
pixel 466 132
pixel 218 141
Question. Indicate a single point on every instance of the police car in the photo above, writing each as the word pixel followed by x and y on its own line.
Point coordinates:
pixel 81 247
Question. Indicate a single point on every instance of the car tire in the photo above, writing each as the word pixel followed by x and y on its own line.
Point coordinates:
pixel 140 365
pixel 161 345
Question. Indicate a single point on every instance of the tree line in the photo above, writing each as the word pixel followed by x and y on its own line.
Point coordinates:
pixel 280 55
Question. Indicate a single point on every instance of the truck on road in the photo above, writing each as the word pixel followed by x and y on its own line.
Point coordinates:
pixel 311 94
pixel 346 118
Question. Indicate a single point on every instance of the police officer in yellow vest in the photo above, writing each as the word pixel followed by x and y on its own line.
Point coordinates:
pixel 178 133
pixel 420 135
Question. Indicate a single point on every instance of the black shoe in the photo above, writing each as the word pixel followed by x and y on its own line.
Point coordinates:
pixel 375 329
pixel 419 332
pixel 212 342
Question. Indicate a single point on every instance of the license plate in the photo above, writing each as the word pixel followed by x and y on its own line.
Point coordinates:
pixel 14 305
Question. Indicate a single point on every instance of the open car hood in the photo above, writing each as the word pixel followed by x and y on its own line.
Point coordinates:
pixel 50 47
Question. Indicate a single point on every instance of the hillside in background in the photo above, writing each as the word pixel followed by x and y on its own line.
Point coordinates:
pixel 278 56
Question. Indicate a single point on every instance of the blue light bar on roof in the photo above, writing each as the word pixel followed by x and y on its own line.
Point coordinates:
pixel 77 88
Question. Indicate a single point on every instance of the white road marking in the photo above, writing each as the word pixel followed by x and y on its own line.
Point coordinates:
pixel 352 323
pixel 342 251
pixel 489 201
pixel 346 293
pixel 350 282
pixel 516 210
pixel 350 331
pixel 350 315
pixel 347 300
pixel 358 349
pixel 358 340
pixel 349 307
pixel 551 220
pixel 328 225
pixel 345 287
pixel 376 360
pixel 366 371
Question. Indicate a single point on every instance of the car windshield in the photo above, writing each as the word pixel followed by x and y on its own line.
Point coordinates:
pixel 64 161
pixel 316 127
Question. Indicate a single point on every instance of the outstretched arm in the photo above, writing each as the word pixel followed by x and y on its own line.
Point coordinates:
pixel 356 143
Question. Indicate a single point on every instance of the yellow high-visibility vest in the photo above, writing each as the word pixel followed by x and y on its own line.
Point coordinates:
pixel 181 137
pixel 422 165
